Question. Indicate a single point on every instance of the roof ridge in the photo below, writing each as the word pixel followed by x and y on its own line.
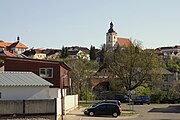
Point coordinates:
pixel 13 72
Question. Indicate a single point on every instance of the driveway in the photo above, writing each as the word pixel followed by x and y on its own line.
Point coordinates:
pixel 157 112
pixel 145 112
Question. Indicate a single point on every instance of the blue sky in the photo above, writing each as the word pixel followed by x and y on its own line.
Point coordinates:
pixel 57 23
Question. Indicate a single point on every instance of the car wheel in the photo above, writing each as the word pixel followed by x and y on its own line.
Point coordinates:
pixel 91 113
pixel 115 114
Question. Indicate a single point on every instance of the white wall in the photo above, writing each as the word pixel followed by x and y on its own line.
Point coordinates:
pixel 56 93
pixel 59 108
pixel 53 93
pixel 24 93
pixel 71 102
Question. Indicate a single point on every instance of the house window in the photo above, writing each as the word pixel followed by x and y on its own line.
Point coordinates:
pixel 165 77
pixel 46 72
pixel 0 95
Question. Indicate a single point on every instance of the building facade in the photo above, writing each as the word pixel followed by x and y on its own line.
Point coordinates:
pixel 23 86
pixel 52 71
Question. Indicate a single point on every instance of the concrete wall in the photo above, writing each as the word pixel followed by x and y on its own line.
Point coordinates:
pixel 27 106
pixel 40 106
pixel 11 107
pixel 24 93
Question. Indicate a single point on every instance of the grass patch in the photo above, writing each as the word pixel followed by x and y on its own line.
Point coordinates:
pixel 88 103
pixel 84 104
pixel 128 113
pixel 127 109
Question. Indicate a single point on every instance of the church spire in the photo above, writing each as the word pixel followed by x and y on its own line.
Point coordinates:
pixel 111 30
pixel 111 25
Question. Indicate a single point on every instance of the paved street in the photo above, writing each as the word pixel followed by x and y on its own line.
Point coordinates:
pixel 146 112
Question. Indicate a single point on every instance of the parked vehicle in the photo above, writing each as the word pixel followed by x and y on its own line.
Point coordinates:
pixel 104 109
pixel 142 100
pixel 117 102
pixel 122 98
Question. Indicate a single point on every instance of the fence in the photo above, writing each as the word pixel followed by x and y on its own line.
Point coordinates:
pixel 71 102
pixel 50 108
pixel 25 108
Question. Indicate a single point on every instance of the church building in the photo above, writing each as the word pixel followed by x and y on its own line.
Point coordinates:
pixel 112 39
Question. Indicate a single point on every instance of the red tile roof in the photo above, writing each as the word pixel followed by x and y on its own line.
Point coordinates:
pixel 4 44
pixel 18 45
pixel 124 42
pixel 7 53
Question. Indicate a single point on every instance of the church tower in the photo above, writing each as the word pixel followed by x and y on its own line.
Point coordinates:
pixel 111 38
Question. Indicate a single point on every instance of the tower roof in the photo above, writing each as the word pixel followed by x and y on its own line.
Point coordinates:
pixel 111 30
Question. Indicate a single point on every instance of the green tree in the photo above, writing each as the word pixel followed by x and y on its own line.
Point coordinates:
pixel 64 52
pixel 173 64
pixel 157 95
pixel 102 55
pixel 82 71
pixel 92 53
pixel 141 90
pixel 175 90
pixel 133 66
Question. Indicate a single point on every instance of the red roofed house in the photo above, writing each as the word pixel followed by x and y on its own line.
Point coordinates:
pixel 15 48
pixel 4 45
pixel 112 40
pixel 7 53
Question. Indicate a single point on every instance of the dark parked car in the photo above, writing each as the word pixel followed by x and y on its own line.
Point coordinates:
pixel 142 100
pixel 108 101
pixel 103 109
pixel 122 98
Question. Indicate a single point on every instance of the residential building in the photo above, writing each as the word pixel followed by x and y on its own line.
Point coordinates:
pixel 15 48
pixel 52 71
pixel 172 52
pixel 4 45
pixel 7 53
pixel 35 54
pixel 101 80
pixel 52 53
pixel 166 77
pixel 23 86
pixel 76 52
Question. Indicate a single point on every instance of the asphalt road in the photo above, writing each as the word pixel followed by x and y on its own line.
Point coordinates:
pixel 145 112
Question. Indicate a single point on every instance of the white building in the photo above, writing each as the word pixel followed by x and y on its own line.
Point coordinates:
pixel 23 86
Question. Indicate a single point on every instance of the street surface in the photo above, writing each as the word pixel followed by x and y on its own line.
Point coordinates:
pixel 145 112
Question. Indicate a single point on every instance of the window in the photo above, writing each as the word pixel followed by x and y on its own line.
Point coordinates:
pixel 46 72
pixel 165 77
pixel 0 95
